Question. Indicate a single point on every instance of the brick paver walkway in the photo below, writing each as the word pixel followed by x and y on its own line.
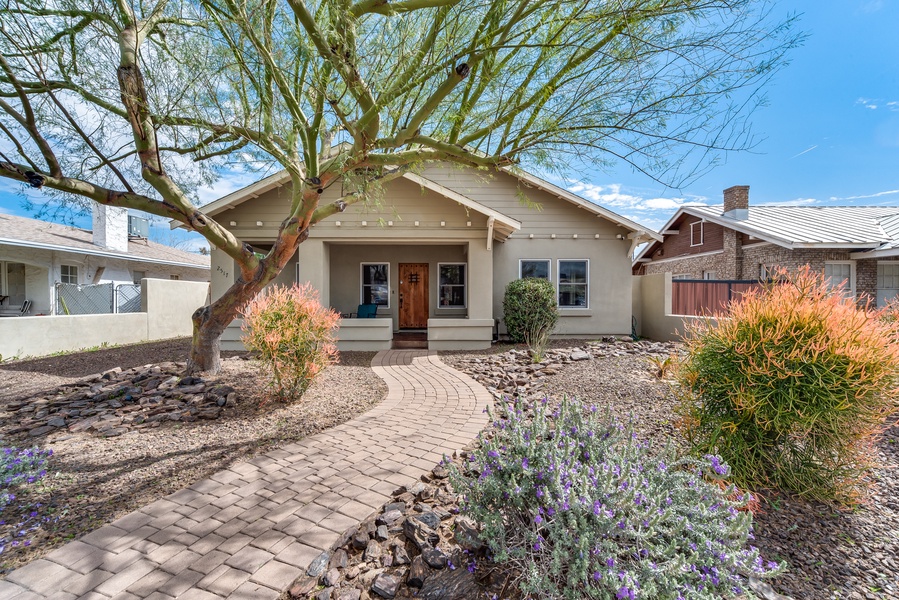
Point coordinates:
pixel 248 531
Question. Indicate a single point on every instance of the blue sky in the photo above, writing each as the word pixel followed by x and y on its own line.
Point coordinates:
pixel 828 136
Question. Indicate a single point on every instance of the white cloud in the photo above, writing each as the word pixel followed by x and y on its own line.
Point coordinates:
pixel 876 103
pixel 614 196
pixel 862 197
pixel 794 202
pixel 229 182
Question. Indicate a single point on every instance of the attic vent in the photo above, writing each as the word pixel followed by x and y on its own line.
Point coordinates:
pixel 138 227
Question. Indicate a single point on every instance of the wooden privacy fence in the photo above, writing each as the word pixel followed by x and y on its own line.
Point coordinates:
pixel 706 297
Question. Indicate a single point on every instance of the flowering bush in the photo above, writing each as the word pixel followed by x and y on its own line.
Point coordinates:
pixel 20 467
pixel 293 334
pixel 530 312
pixel 582 510
pixel 792 389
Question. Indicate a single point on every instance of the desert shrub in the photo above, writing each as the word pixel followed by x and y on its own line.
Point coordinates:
pixel 791 389
pixel 530 313
pixel 581 509
pixel 293 334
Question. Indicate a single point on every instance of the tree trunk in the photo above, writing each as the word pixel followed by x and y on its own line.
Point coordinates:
pixel 211 321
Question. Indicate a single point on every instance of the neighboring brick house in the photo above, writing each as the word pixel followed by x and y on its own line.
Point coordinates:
pixel 858 245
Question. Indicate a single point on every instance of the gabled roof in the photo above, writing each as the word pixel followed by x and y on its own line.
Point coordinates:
pixel 861 228
pixel 505 223
pixel 32 233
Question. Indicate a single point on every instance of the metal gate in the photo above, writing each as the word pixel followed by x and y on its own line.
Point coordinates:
pixel 127 298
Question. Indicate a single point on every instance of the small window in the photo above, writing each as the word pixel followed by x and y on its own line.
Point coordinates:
pixel 696 233
pixel 840 273
pixel 138 275
pixel 376 284
pixel 681 276
pixel 536 268
pixel 887 282
pixel 452 285
pixel 707 275
pixel 766 272
pixel 68 274
pixel 573 283
pixel 174 277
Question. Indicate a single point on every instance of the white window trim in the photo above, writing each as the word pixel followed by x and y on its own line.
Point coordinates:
pixel 549 266
pixel 701 233
pixel 877 289
pixel 77 274
pixel 559 283
pixel 705 276
pixel 4 283
pixel 851 264
pixel 362 285
pixel 464 286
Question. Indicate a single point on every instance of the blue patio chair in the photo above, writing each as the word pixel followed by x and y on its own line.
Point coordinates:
pixel 367 311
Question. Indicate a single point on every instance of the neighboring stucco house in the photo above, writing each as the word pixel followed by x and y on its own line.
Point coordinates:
pixel 437 253
pixel 858 245
pixel 36 255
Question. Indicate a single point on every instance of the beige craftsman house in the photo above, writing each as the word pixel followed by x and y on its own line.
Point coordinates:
pixel 437 252
pixel 856 246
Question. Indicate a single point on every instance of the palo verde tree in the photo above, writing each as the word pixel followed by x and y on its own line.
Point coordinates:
pixel 134 103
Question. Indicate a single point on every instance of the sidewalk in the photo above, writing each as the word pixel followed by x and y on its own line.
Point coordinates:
pixel 249 531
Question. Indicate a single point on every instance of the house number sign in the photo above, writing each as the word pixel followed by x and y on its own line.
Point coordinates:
pixel 413 278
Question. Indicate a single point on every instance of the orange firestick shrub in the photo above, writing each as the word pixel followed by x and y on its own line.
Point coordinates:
pixel 293 335
pixel 791 389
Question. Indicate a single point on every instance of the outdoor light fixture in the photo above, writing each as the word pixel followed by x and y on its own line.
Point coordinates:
pixel 468 223
pixel 233 223
pixel 390 223
pixel 416 223
pixel 574 236
pixel 596 236
pixel 259 223
pixel 337 223
pixel 531 236
pixel 443 223
pixel 364 223
pixel 553 236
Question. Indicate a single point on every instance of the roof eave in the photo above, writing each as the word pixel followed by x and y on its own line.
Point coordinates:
pixel 131 257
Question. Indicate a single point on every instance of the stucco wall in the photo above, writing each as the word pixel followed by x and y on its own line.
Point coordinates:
pixel 168 306
pixel 654 318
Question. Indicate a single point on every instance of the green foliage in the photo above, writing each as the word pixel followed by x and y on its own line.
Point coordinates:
pixel 791 389
pixel 581 509
pixel 293 334
pixel 530 313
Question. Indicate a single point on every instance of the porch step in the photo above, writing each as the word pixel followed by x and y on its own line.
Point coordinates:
pixel 410 340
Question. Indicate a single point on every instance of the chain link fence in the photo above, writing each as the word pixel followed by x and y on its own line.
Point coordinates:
pixel 72 299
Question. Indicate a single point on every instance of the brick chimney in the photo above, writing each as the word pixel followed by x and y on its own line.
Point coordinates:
pixel 736 202
pixel 110 227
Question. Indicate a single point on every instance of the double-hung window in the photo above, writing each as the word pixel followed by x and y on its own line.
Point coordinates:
pixel 534 267
pixel 451 286
pixel 574 283
pixel 696 237
pixel 68 274
pixel 840 274
pixel 376 284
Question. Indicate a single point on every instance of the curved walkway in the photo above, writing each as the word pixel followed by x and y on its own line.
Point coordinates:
pixel 248 531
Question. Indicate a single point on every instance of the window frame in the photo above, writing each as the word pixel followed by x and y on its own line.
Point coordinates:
pixel 173 277
pixel 878 288
pixel 681 276
pixel 549 267
pixel 463 285
pixel 559 282
pixel 63 276
pixel 706 274
pixel 693 243
pixel 362 283
pixel 848 292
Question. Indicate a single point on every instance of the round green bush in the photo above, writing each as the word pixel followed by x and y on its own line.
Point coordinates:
pixel 530 311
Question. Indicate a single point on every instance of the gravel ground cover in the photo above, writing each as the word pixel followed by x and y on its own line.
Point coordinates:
pixel 831 554
pixel 94 480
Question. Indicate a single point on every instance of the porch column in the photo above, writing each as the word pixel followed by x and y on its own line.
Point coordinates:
pixel 480 280
pixel 314 266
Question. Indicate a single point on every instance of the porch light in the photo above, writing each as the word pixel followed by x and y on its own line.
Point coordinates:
pixel 553 236
pixel 596 237
pixel 574 237
pixel 443 223
pixel 468 223
pixel 530 236
pixel 390 223
pixel 337 223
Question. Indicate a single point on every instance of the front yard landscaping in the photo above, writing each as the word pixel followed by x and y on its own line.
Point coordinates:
pixel 93 479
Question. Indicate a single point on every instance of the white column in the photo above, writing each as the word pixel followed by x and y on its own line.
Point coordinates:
pixel 313 265
pixel 480 280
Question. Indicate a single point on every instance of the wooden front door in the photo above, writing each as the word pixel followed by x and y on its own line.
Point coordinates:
pixel 413 295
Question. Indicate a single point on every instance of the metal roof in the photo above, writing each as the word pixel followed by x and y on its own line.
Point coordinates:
pixel 33 233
